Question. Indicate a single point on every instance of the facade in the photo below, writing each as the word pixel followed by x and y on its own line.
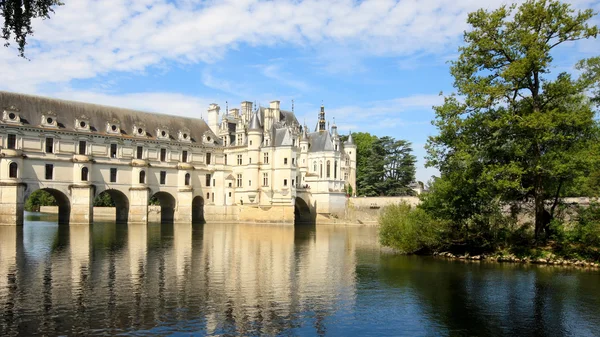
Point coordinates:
pixel 249 164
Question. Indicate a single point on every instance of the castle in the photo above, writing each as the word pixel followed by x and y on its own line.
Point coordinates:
pixel 255 164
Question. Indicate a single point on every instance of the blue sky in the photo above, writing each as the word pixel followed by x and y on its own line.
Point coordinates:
pixel 377 66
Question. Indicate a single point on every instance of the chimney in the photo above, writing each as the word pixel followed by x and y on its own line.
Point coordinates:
pixel 274 105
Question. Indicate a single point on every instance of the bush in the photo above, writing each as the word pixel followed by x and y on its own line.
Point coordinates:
pixel 408 229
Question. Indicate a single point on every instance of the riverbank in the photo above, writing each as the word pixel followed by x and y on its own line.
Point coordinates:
pixel 511 258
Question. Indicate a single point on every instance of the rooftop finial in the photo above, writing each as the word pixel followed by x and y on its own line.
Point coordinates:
pixel 292 106
pixel 226 107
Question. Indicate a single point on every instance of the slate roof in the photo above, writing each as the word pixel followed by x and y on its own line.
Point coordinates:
pixel 320 141
pixel 32 107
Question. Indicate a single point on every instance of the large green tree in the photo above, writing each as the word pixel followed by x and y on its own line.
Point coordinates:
pixel 18 15
pixel 515 131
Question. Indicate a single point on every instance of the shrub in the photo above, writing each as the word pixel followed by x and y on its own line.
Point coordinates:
pixel 408 229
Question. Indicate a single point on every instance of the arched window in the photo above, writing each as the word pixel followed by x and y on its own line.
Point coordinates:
pixel 335 169
pixel 84 174
pixel 142 177
pixel 12 170
pixel 328 169
pixel 315 166
pixel 320 170
pixel 187 179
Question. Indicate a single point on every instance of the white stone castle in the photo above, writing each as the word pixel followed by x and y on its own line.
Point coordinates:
pixel 253 164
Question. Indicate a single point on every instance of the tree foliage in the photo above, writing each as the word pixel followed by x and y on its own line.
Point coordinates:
pixel 514 131
pixel 18 15
pixel 39 198
pixel 385 166
pixel 104 200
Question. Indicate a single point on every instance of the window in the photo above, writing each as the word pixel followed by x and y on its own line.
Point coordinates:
pixel 250 142
pixel 293 181
pixel 265 179
pixel 239 159
pixel 249 182
pixel 346 176
pixel 321 170
pixel 163 177
pixel 230 194
pixel 293 161
pixel 84 174
pixel 229 184
pixel 184 156
pixel 239 139
pixel 142 177
pixel 214 182
pixel 208 180
pixel 266 142
pixel 266 158
pixel 207 196
pixel 315 166
pixel 11 141
pixel 347 161
pixel 225 159
pixel 187 179
pixel 328 169
pixel 82 146
pixel 335 169
pixel 113 150
pixel 113 175
pixel 239 180
pixel 140 152
pixel 12 170
pixel 212 197
pixel 284 161
pixel 249 160
pixel 284 182
pixel 49 171
pixel 49 145
pixel 208 158
pixel 163 154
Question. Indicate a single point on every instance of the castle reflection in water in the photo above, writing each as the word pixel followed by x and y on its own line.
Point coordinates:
pixel 213 278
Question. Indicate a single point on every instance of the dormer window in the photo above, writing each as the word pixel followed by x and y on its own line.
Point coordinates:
pixel 49 120
pixel 82 123
pixel 139 130
pixel 184 135
pixel 113 127
pixel 162 133
pixel 11 115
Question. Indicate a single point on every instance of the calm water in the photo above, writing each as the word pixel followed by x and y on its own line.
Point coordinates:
pixel 220 279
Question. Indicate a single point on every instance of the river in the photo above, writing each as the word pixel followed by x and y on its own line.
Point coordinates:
pixel 235 279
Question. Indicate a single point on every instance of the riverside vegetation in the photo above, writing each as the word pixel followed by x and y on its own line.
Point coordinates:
pixel 514 138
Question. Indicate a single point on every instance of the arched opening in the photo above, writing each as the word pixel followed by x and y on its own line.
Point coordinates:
pixel 187 179
pixel 302 213
pixel 142 177
pixel 198 210
pixel 12 170
pixel 110 200
pixel 167 206
pixel 57 200
pixel 328 169
pixel 84 173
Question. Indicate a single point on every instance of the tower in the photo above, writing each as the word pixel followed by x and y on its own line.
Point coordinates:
pixel 322 119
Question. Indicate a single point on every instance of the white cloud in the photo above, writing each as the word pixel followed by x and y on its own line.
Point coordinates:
pixel 162 102
pixel 85 38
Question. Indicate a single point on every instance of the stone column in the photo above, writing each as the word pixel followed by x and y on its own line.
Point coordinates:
pixel 183 212
pixel 138 205
pixel 82 201
pixel 12 200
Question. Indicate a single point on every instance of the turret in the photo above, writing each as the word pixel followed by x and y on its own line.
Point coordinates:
pixel 322 119
pixel 254 132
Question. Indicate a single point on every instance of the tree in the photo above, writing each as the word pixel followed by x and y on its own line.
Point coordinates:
pixel 39 198
pixel 104 200
pixel 18 14
pixel 513 132
pixel 364 142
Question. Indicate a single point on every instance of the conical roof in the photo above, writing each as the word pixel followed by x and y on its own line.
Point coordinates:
pixel 254 122
pixel 350 141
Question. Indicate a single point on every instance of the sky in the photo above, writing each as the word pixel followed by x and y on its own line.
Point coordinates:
pixel 377 66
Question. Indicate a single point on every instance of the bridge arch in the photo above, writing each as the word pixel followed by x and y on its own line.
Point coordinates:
pixel 62 200
pixel 198 210
pixel 167 204
pixel 120 201
pixel 302 212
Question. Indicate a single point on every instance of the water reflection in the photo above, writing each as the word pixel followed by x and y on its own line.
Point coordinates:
pixel 227 279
